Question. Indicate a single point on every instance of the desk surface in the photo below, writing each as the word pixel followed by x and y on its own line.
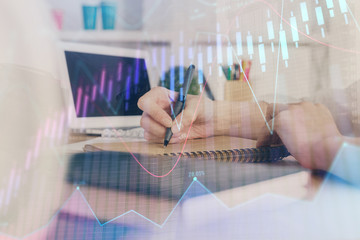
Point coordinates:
pixel 301 186
pixel 88 205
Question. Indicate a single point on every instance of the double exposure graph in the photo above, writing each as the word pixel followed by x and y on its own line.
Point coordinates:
pixel 281 41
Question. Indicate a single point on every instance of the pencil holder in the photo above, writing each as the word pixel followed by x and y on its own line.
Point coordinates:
pixel 237 91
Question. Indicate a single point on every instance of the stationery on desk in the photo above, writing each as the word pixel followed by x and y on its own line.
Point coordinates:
pixel 237 86
pixel 236 72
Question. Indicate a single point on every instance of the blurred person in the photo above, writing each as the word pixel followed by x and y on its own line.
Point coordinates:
pixel 32 116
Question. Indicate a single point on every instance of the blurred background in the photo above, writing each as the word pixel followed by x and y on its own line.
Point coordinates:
pixel 183 32
pixel 244 50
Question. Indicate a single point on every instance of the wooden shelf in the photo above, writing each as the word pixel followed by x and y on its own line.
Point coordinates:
pixel 115 36
pixel 118 36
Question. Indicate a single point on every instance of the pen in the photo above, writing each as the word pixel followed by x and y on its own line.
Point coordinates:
pixel 180 103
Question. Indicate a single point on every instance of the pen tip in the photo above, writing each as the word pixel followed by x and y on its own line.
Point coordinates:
pixel 166 143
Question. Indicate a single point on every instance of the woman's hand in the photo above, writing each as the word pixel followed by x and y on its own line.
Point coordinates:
pixel 157 116
pixel 307 130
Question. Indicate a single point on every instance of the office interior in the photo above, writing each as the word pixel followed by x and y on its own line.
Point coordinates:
pixel 295 50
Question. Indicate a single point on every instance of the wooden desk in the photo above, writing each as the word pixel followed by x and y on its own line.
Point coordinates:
pixel 78 137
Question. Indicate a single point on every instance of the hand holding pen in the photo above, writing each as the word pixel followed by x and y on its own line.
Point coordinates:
pixel 157 114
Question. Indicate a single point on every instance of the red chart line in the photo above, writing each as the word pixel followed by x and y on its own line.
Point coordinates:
pixel 182 150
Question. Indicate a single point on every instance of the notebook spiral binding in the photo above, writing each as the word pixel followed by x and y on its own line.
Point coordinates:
pixel 253 155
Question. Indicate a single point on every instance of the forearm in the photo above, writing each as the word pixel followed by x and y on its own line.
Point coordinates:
pixel 240 119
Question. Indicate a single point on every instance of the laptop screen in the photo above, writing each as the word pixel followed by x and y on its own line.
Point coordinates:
pixel 104 85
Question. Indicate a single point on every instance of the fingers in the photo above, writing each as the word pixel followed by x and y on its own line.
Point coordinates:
pixel 152 126
pixel 183 121
pixel 156 117
pixel 154 103
pixel 153 138
pixel 155 132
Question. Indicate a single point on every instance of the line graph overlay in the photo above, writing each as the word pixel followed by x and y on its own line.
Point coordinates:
pixel 195 181
pixel 131 211
pixel 78 191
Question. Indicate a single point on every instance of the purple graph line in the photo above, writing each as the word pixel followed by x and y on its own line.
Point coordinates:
pixel 110 90
pixel 119 72
pixel 78 100
pixel 128 84
pixel 102 83
pixel 86 100
pixel 137 70
pixel 93 97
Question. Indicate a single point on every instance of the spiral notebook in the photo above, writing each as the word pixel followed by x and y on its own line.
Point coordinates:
pixel 222 148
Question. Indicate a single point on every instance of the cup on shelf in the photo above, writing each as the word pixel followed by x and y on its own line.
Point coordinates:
pixel 89 9
pixel 108 13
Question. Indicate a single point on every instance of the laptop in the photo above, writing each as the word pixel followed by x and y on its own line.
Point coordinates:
pixel 103 85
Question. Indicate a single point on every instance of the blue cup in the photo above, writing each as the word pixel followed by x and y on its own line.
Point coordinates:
pixel 89 17
pixel 108 13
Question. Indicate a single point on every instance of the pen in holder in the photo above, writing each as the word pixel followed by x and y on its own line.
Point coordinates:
pixel 237 84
